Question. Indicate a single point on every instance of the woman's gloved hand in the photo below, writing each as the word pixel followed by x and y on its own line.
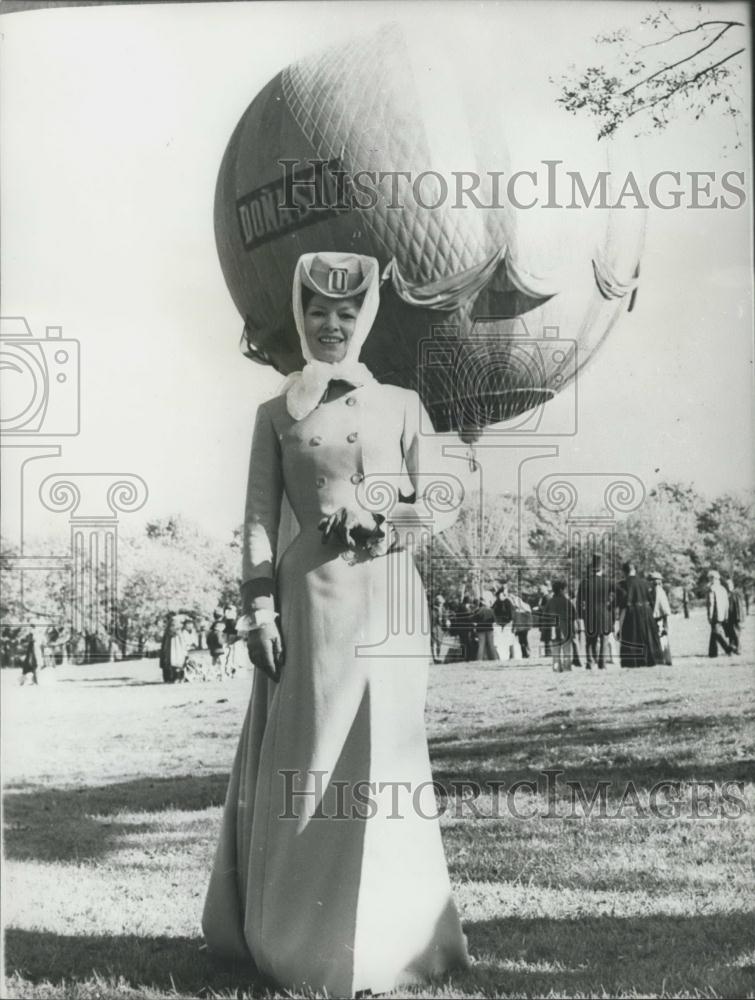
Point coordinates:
pixel 354 529
pixel 264 645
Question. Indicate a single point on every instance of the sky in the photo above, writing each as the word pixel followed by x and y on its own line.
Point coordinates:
pixel 113 124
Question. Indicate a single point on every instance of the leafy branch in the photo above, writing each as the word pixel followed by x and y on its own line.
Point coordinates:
pixel 688 72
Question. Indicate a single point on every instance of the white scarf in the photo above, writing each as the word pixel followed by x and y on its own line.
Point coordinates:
pixel 305 389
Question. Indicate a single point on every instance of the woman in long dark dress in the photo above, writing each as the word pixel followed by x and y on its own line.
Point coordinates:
pixel 638 634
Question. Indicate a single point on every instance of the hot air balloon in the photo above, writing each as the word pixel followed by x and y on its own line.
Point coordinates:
pixel 387 146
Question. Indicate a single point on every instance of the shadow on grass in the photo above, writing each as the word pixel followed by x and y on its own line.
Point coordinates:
pixel 594 956
pixel 78 816
pixel 175 965
pixel 588 751
pixel 660 954
pixel 110 682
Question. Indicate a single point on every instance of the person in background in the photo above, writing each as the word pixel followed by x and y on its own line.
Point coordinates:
pixel 561 610
pixel 33 660
pixel 216 643
pixel 638 633
pixel 464 625
pixel 546 592
pixel 484 622
pixel 229 616
pixel 718 614
pixel 173 651
pixel 686 597
pixel 735 617
pixel 594 608
pixel 503 610
pixel 438 626
pixel 202 626
pixel 661 613
pixel 521 624
pixel 190 634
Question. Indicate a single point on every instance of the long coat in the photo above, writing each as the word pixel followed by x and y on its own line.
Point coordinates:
pixel 304 884
pixel 640 642
pixel 595 605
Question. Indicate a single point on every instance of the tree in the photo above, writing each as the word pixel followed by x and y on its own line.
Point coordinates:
pixel 173 567
pixel 727 530
pixel 682 59
pixel 662 535
pixel 475 551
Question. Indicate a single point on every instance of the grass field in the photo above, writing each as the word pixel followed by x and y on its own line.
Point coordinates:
pixel 114 784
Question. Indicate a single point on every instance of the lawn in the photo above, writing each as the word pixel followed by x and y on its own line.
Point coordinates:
pixel 114 784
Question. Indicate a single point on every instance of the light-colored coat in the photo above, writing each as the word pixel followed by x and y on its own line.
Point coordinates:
pixel 353 903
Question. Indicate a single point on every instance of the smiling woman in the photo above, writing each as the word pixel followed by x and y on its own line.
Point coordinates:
pixel 329 325
pixel 317 879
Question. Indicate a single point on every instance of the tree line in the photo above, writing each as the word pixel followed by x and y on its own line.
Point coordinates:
pixel 173 565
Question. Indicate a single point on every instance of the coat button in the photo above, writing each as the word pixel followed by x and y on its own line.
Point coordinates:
pixel 352 437
pixel 315 440
pixel 357 478
pixel 320 481
pixel 350 401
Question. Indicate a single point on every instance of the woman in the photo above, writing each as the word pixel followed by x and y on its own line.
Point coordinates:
pixel 638 634
pixel 484 624
pixel 329 874
pixel 503 612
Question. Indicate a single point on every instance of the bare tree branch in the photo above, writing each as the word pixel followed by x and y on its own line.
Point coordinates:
pixel 686 77
pixel 690 31
pixel 684 85
pixel 679 62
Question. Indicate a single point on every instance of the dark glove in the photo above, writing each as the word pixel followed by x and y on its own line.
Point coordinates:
pixel 352 529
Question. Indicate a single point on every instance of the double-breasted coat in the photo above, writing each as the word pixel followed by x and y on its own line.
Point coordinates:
pixel 330 870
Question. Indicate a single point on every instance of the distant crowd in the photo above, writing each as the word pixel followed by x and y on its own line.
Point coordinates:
pixel 628 621
pixel 183 636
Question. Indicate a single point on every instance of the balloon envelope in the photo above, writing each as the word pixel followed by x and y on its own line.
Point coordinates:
pixel 459 180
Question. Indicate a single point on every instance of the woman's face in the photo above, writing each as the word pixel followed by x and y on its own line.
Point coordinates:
pixel 329 326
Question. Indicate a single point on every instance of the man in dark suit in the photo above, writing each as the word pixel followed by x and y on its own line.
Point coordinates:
pixel 594 607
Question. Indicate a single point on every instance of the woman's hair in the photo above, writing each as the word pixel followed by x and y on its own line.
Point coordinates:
pixel 307 295
pixel 628 567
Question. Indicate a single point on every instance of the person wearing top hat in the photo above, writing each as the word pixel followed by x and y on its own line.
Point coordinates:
pixel 718 614
pixel 661 613
pixel 595 608
pixel 320 880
